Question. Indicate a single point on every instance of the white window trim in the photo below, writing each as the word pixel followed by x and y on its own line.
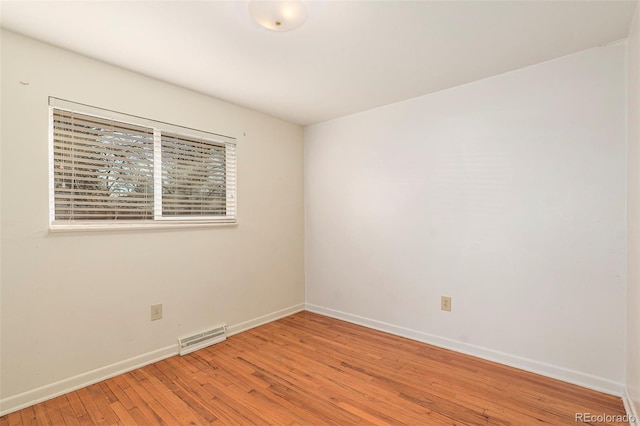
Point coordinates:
pixel 158 222
pixel 131 226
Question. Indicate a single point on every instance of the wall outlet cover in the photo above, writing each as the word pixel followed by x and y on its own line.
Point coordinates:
pixel 445 303
pixel 156 312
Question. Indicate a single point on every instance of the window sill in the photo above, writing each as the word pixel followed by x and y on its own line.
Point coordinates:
pixel 89 227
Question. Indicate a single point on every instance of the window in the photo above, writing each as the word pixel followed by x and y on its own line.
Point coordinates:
pixel 113 170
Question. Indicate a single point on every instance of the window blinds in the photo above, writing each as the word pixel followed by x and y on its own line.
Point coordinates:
pixel 108 170
pixel 198 177
pixel 102 169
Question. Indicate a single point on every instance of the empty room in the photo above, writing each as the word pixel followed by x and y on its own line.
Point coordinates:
pixel 320 212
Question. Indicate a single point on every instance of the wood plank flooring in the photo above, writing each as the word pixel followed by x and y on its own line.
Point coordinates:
pixel 308 369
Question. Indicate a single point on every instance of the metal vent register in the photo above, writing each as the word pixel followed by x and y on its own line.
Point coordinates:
pixel 202 340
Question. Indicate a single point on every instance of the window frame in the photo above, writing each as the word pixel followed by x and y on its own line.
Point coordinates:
pixel 158 220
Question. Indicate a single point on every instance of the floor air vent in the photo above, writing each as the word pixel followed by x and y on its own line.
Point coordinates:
pixel 202 340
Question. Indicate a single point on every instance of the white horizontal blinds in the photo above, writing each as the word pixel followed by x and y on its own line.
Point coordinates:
pixel 198 177
pixel 102 169
pixel 109 167
pixel 231 180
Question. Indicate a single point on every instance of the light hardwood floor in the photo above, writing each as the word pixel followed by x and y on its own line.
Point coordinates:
pixel 309 369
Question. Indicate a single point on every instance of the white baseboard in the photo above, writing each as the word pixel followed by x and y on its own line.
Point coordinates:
pixel 52 390
pixel 256 322
pixel 566 375
pixel 43 393
pixel 630 408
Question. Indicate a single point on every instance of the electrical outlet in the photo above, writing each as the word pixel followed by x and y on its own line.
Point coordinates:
pixel 445 303
pixel 156 312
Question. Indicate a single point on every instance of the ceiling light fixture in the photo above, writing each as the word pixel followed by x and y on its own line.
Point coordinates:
pixel 284 15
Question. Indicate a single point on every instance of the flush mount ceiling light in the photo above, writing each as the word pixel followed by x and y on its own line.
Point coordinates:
pixel 284 15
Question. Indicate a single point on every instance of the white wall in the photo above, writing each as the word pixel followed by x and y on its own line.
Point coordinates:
pixel 507 194
pixel 76 302
pixel 633 218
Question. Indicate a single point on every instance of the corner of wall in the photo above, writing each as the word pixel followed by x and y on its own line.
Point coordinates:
pixel 631 396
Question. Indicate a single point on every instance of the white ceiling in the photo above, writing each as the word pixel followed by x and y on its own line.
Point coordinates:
pixel 349 56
